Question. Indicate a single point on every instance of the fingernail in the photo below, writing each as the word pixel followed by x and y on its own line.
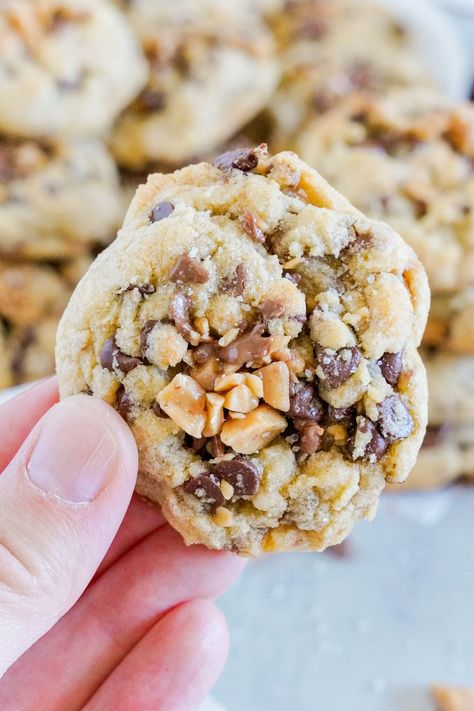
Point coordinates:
pixel 76 454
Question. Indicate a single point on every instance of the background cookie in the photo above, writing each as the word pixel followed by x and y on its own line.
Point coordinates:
pixel 334 49
pixel 66 67
pixel 56 197
pixel 259 336
pixel 212 67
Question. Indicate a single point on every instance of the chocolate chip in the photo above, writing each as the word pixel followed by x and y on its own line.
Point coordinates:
pixel 391 366
pixel 180 307
pixel 304 404
pixel 251 228
pixel 124 403
pixel 395 422
pixel 146 330
pixel 375 447
pixel 272 309
pixel 145 289
pixel 188 270
pixel 157 410
pixel 337 366
pixel 152 100
pixel 216 447
pixel 111 357
pixel 293 277
pixel 235 285
pixel 243 159
pixel 248 347
pixel 338 414
pixel 198 443
pixel 203 352
pixel 160 211
pixel 309 435
pixel 206 488
pixel 241 473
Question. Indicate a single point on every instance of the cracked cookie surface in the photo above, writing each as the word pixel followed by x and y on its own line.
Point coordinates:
pixel 212 68
pixel 56 72
pixel 259 335
pixel 56 197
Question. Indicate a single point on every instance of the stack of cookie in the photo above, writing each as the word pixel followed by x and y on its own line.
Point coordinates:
pixel 59 198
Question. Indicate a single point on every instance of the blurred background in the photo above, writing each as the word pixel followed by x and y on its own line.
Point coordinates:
pixel 378 96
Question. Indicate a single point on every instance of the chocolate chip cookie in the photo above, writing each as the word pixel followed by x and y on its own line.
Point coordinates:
pixel 56 197
pixel 32 299
pixel 67 67
pixel 259 335
pixel 212 67
pixel 331 50
pixel 406 159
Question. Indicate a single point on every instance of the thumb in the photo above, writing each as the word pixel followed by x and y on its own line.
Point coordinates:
pixel 62 499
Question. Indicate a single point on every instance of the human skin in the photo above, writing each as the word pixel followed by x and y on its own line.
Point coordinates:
pixel 101 603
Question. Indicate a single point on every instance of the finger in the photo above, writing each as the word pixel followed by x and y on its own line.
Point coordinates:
pixel 62 499
pixel 112 616
pixel 173 667
pixel 20 414
pixel 141 519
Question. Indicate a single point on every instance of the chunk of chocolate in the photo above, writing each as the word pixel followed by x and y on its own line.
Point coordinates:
pixel 235 285
pixel 157 410
pixel 395 422
pixel 161 211
pixel 243 159
pixel 203 352
pixel 304 404
pixel 310 434
pixel 111 358
pixel 338 414
pixel 247 348
pixel 124 403
pixel 337 366
pixel 145 289
pixel 251 228
pixel 391 366
pixel 188 270
pixel 180 306
pixel 366 442
pixel 272 309
pixel 241 473
pixel 293 277
pixel 205 487
pixel 215 447
pixel 146 330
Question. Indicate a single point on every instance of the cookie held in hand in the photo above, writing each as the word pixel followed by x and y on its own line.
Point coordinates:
pixel 259 335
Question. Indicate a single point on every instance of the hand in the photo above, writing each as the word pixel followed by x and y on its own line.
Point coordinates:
pixel 143 633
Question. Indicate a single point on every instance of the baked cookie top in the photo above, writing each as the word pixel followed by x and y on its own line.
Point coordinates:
pixel 212 67
pixel 56 197
pixel 406 159
pixel 66 66
pixel 334 49
pixel 259 335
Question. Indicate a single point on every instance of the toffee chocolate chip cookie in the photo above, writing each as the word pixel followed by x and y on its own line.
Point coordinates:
pixel 56 197
pixel 331 50
pixel 259 335
pixel 66 67
pixel 406 159
pixel 212 67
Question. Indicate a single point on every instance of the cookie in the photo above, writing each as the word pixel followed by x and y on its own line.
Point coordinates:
pixel 451 387
pixel 406 159
pixel 32 299
pixel 331 50
pixel 259 335
pixel 451 322
pixel 67 67
pixel 446 456
pixel 212 68
pixel 453 698
pixel 56 197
